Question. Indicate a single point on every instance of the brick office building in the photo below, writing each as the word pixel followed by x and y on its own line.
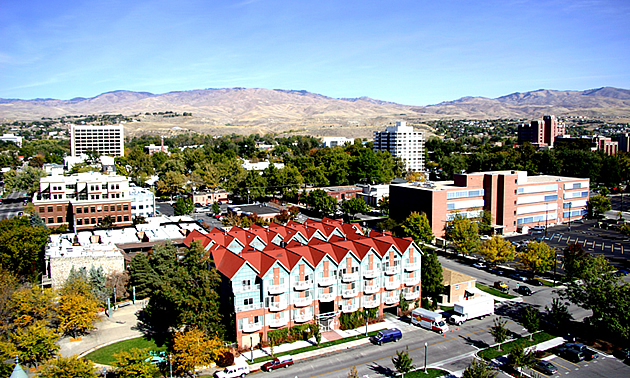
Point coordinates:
pixel 81 201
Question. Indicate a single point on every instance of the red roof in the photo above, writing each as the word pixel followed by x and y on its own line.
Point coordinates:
pixel 227 263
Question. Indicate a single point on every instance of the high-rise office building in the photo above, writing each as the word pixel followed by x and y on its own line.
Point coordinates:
pixel 541 133
pixel 404 142
pixel 106 139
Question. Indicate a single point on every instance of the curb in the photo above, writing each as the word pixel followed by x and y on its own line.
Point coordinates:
pixel 106 344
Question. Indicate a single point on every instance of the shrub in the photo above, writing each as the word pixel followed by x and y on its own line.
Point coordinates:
pixel 226 359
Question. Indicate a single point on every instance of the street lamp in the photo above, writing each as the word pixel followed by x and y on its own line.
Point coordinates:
pixel 251 348
pixel 366 321
pixel 569 216
pixel 426 348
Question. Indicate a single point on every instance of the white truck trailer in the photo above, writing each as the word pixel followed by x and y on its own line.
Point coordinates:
pixel 473 308
pixel 429 320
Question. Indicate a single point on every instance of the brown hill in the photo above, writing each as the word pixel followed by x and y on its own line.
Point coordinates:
pixel 256 110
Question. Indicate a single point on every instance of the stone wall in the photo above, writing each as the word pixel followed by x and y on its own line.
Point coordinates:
pixel 60 266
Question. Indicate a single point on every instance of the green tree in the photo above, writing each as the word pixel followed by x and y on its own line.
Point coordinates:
pixel 530 318
pixel 26 258
pixel 558 315
pixel 402 362
pixel 171 182
pixel 496 250
pixel 63 367
pixel 537 257
pixel 183 206
pixel 353 206
pixel 107 222
pixel 320 201
pixel 417 226
pixel 485 223
pixel 499 331
pixel 98 282
pixel 479 369
pixel 574 256
pixel 36 343
pixel 598 205
pixel 27 180
pixel 142 276
pixel 518 358
pixel 135 363
pixel 216 209
pixel 383 205
pixel 464 234
pixel 432 277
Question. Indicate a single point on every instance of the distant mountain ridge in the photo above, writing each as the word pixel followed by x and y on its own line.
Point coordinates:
pixel 224 110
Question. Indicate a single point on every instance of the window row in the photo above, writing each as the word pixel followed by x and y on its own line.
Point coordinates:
pixel 103 208
pixel 86 221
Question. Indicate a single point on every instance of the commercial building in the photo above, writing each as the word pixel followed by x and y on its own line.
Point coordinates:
pixel 142 202
pixel 404 142
pixel 541 133
pixel 336 141
pixel 12 138
pixel 208 198
pixel 284 275
pixel 82 200
pixel 105 140
pixel 592 142
pixel 514 199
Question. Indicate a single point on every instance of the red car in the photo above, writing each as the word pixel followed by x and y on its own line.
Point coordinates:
pixel 276 363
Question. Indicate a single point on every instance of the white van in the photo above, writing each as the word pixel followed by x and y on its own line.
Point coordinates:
pixel 233 372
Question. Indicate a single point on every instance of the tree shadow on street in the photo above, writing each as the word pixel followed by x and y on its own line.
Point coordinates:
pixel 382 370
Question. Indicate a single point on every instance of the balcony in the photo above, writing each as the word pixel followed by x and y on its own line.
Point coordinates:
pixel 392 299
pixel 277 289
pixel 412 281
pixel 349 293
pixel 278 306
pixel 244 289
pixel 348 309
pixel 371 273
pixel 391 270
pixel 301 302
pixel 326 281
pixel 327 297
pixel 412 295
pixel 349 277
pixel 392 285
pixel 254 306
pixel 301 318
pixel 371 289
pixel 252 327
pixel 412 267
pixel 370 303
pixel 303 285
pixel 281 322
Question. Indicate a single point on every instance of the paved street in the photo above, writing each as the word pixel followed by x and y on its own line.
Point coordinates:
pixel 12 205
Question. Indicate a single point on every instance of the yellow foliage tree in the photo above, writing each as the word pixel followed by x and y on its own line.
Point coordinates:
pixel 36 343
pixel 497 250
pixel 63 367
pixel 29 305
pixel 76 313
pixel 135 363
pixel 537 257
pixel 193 348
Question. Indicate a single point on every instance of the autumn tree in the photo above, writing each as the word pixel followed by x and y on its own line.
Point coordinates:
pixel 63 367
pixel 193 348
pixel 383 205
pixel 464 234
pixel 417 226
pixel 35 343
pixel 116 282
pixel 135 363
pixel 353 372
pixel 496 250
pixel 402 362
pixel 77 313
pixel 32 304
pixel 171 182
pixel 537 257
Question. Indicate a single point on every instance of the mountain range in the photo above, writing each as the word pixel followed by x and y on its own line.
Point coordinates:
pixel 256 110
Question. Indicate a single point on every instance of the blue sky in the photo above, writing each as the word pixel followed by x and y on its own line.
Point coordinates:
pixel 411 52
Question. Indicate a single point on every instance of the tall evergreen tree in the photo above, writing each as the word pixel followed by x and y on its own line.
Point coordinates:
pixel 432 276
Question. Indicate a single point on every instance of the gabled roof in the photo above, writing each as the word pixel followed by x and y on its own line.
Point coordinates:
pixel 312 255
pixel 288 258
pixel 401 243
pixel 244 236
pixel 266 234
pixel 287 233
pixel 304 229
pixel 380 246
pixel 259 260
pixel 326 229
pixel 195 235
pixel 228 263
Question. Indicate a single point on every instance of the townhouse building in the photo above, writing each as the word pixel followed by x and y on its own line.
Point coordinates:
pixel 81 201
pixel 515 200
pixel 285 275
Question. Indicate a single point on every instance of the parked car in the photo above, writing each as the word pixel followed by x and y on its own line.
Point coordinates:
pixel 546 367
pixel 622 354
pixel 486 237
pixel 588 353
pixel 500 285
pixel 570 354
pixel 386 335
pixel 233 372
pixel 479 265
pixel 276 363
pixel 524 290
pixel 534 281
pixel 516 276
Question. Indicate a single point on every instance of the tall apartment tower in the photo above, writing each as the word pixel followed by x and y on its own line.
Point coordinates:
pixel 541 132
pixel 404 142
pixel 106 140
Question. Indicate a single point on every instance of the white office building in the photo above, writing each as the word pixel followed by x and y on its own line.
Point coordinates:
pixel 106 139
pixel 142 202
pixel 404 142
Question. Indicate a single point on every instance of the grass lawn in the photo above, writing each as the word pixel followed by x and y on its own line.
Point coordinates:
pixel 431 373
pixel 313 347
pixel 495 292
pixel 105 355
pixel 494 352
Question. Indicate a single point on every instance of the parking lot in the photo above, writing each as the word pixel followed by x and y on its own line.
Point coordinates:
pixel 604 366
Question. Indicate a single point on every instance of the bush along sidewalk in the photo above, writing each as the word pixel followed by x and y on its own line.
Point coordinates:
pixel 493 352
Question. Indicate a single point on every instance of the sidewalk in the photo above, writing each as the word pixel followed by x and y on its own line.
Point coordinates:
pixel 122 325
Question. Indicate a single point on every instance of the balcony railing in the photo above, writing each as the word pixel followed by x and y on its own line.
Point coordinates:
pixel 301 302
pixel 411 281
pixel 392 285
pixel 413 295
pixel 301 318
pixel 389 300
pixel 349 277
pixel 326 281
pixel 281 322
pixel 391 270
pixel 348 309
pixel 254 306
pixel 303 285
pixel 371 273
pixel 327 297
pixel 278 306
pixel 371 289
pixel 243 289
pixel 252 327
pixel 349 293
pixel 412 267
pixel 370 303
pixel 277 289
